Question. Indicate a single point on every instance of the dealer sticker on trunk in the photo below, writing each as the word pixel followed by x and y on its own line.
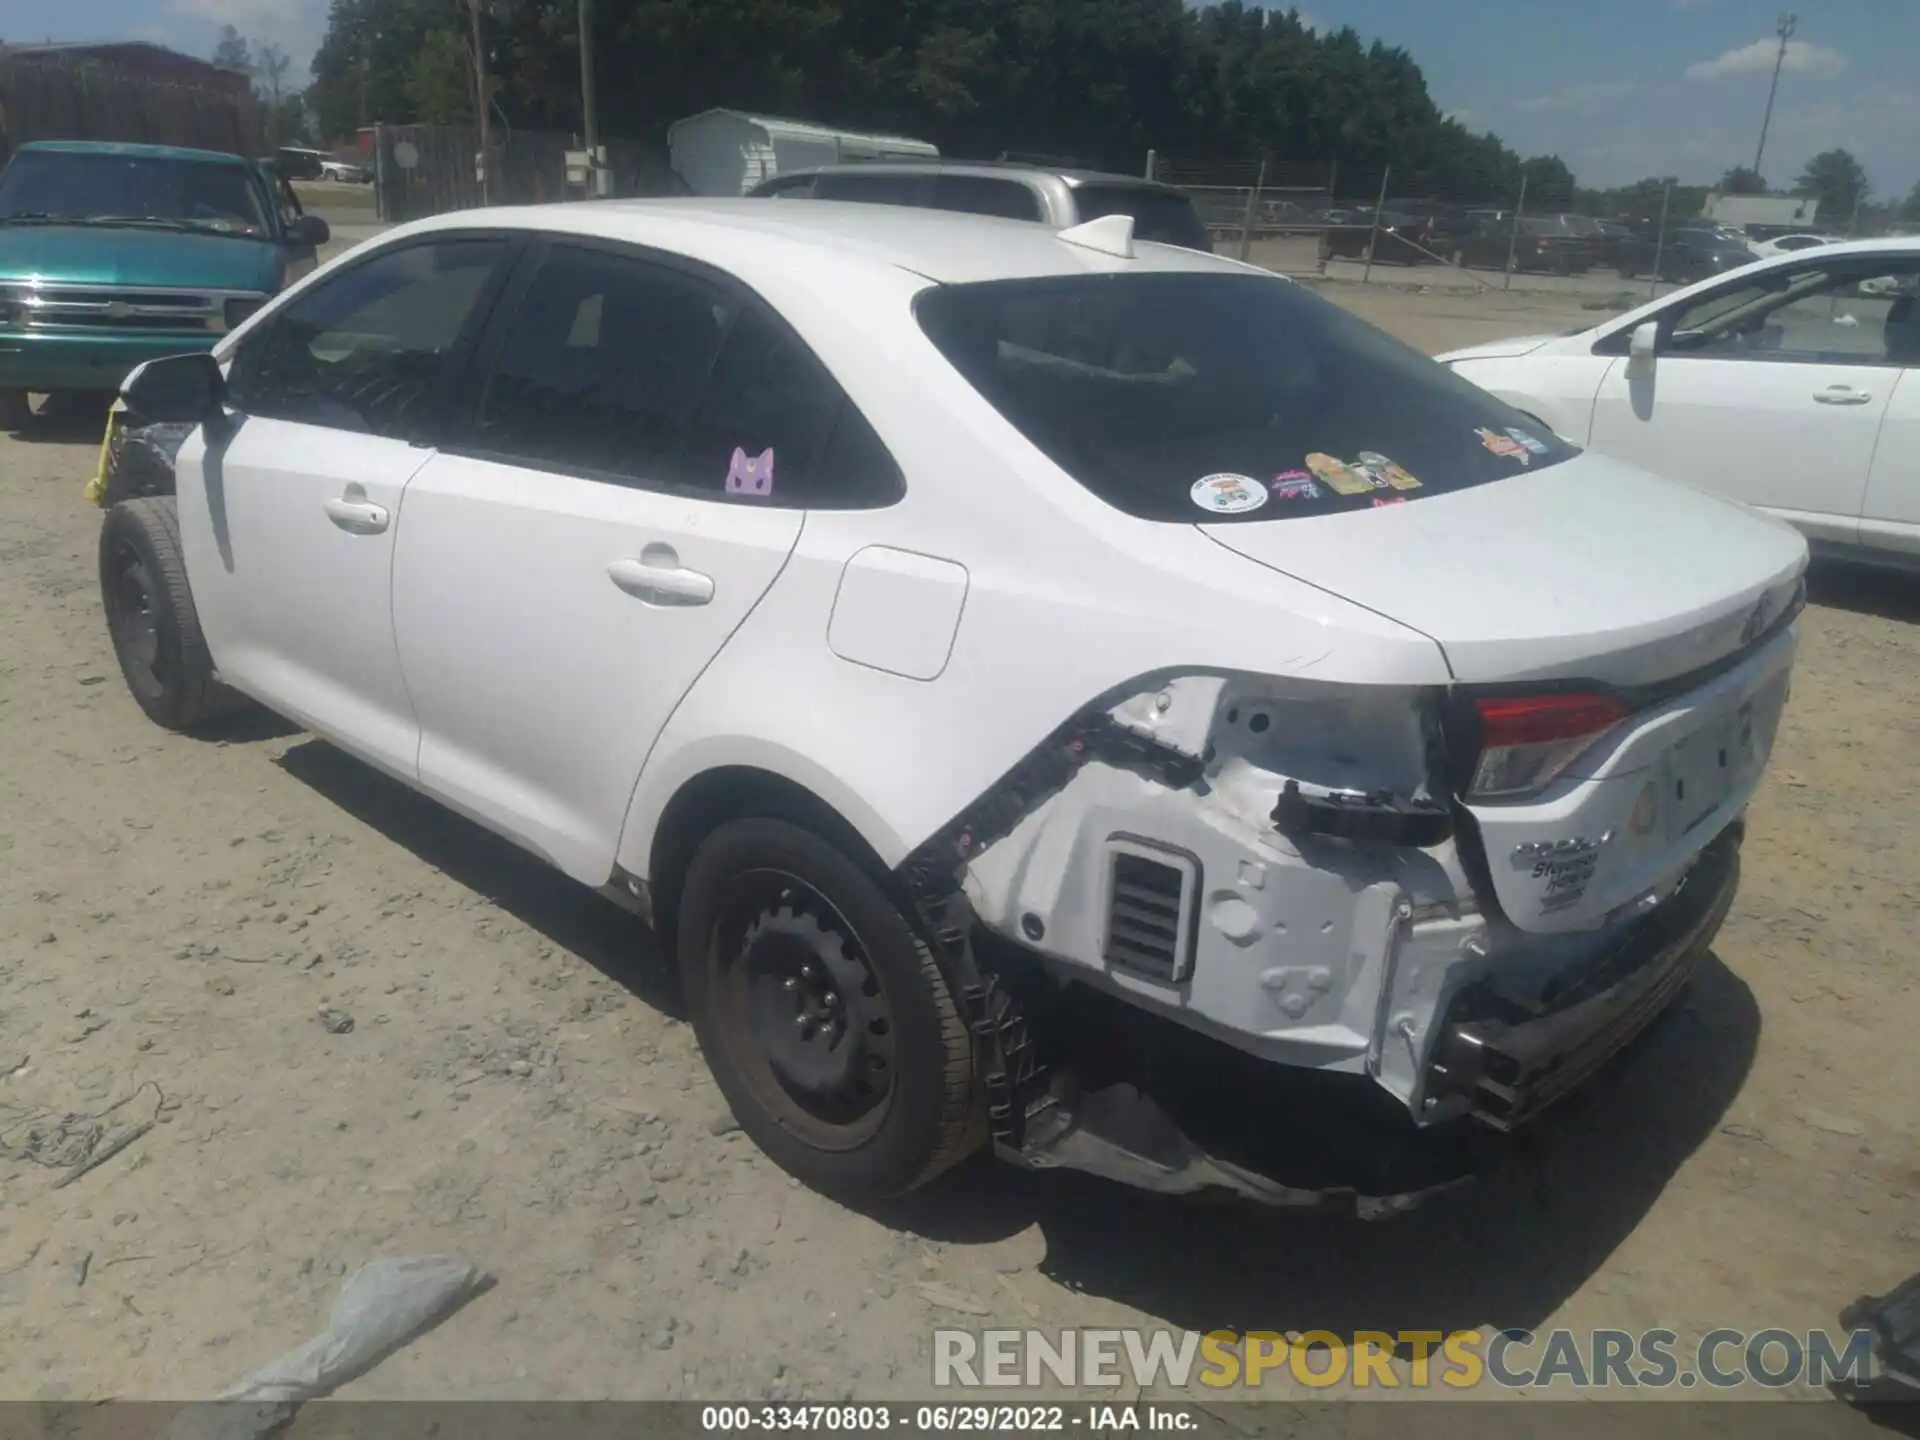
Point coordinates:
pixel 1566 867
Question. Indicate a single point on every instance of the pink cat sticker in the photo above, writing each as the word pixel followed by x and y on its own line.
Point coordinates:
pixel 750 475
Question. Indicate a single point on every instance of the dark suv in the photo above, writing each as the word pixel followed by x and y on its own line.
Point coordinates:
pixel 1056 197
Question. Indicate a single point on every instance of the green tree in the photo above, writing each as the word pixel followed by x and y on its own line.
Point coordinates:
pixel 1838 181
pixel 1549 183
pixel 440 83
pixel 232 52
pixel 1910 207
pixel 1743 180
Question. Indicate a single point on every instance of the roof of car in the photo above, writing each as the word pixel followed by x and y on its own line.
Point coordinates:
pixel 943 246
pixel 147 152
pixel 989 168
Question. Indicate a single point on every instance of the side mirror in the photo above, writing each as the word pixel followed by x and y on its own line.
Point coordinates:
pixel 178 389
pixel 308 230
pixel 1641 349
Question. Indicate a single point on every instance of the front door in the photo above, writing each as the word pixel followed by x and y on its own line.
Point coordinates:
pixel 333 405
pixel 627 489
pixel 1769 389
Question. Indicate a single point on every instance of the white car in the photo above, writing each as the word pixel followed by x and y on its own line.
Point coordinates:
pixel 966 638
pixel 345 173
pixel 1788 244
pixel 1792 385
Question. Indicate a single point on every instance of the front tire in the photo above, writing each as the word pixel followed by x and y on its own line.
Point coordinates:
pixel 152 619
pixel 829 1026
pixel 16 411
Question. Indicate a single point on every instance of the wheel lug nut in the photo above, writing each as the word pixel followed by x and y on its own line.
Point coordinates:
pixel 790 984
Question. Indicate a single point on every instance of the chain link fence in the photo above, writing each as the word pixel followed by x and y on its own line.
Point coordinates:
pixel 1362 225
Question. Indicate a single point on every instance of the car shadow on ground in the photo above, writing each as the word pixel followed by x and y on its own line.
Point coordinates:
pixel 66 420
pixel 1865 589
pixel 1506 1250
pixel 573 917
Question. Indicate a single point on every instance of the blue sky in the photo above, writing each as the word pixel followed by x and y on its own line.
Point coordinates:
pixel 1619 88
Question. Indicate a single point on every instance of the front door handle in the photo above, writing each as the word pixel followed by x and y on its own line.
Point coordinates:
pixel 661 581
pixel 1842 395
pixel 357 517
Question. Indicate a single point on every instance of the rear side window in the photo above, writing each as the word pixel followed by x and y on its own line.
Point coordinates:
pixel 601 364
pixel 1194 397
pixel 1160 215
pixel 980 195
pixel 621 369
pixel 869 189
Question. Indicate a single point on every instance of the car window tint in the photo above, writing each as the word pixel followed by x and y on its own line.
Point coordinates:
pixel 1847 312
pixel 600 364
pixel 869 189
pixel 982 195
pixel 1164 216
pixel 774 427
pixel 799 189
pixel 368 349
pixel 1143 386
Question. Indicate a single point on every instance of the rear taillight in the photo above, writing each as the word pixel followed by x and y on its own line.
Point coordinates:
pixel 1527 742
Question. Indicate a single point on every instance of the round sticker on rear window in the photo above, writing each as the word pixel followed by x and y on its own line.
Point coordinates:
pixel 1229 494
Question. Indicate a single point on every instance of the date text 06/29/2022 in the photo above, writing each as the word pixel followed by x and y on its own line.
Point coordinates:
pixel 949 1418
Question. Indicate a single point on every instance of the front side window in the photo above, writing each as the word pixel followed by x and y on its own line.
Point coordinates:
pixel 1837 311
pixel 1193 397
pixel 368 350
pixel 102 187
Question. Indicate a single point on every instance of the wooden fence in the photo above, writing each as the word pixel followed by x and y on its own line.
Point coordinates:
pixel 429 169
pixel 43 99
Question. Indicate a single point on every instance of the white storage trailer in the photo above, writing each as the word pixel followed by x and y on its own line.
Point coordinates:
pixel 728 152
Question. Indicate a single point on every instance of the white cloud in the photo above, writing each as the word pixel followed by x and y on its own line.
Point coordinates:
pixel 1802 58
pixel 1578 97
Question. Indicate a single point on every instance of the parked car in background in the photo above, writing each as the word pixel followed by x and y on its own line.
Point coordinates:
pixel 1788 244
pixel 1365 756
pixel 1389 238
pixel 1541 243
pixel 1686 254
pixel 1058 197
pixel 299 163
pixel 345 172
pixel 114 254
pixel 1780 385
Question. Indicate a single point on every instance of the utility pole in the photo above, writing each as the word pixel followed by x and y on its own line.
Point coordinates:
pixel 589 112
pixel 482 102
pixel 1788 24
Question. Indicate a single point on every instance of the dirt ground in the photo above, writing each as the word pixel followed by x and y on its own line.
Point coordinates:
pixel 187 926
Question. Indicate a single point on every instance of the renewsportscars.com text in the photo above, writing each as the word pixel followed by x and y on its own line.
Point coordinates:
pixel 1407 1359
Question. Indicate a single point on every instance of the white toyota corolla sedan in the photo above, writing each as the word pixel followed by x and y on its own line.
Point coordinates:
pixel 1792 385
pixel 1000 660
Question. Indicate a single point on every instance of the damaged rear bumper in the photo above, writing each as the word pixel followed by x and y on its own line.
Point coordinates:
pixel 1158 1128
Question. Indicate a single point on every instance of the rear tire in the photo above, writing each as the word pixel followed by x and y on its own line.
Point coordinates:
pixel 152 619
pixel 828 1024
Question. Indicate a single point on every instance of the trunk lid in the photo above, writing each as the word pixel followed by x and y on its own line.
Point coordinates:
pixel 1587 570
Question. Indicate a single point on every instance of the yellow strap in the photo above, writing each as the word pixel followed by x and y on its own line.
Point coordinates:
pixel 96 491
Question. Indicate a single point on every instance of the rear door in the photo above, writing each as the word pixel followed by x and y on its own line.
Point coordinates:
pixel 1890 518
pixel 627 486
pixel 1769 389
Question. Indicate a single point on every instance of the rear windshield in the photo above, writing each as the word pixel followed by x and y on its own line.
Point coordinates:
pixel 1166 217
pixel 1205 397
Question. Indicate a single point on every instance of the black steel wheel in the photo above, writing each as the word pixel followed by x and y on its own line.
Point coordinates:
pixel 151 617
pixel 826 1021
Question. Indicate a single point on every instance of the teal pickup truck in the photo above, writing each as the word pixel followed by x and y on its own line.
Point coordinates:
pixel 111 255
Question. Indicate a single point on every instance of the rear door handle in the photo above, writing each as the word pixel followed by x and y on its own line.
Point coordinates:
pixel 1842 395
pixel 662 580
pixel 357 517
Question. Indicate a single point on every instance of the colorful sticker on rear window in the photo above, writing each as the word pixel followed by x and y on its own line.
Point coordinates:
pixel 1531 441
pixel 1386 472
pixel 1341 477
pixel 1294 485
pixel 1504 445
pixel 1229 494
pixel 1380 500
pixel 750 474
